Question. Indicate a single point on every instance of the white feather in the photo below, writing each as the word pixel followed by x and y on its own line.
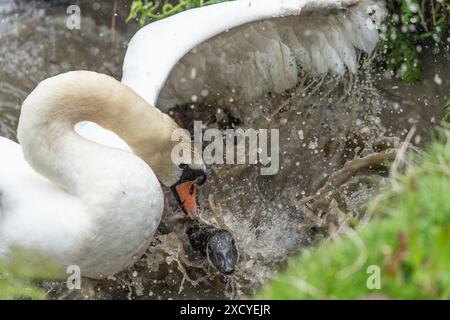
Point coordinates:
pixel 253 48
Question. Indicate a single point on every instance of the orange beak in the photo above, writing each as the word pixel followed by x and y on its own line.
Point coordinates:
pixel 187 196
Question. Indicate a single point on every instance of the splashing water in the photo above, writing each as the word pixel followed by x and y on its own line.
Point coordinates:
pixel 338 120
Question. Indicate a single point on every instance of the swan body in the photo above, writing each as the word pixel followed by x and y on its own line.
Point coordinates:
pixel 102 237
pixel 78 201
pixel 245 48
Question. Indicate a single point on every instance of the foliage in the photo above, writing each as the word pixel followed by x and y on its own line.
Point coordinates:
pixel 447 111
pixel 19 273
pixel 411 25
pixel 145 11
pixel 407 239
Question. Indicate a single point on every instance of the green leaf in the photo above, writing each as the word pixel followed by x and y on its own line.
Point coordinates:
pixel 145 11
pixel 447 111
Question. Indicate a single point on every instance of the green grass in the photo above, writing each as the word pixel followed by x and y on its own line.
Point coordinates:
pixel 408 240
pixel 18 276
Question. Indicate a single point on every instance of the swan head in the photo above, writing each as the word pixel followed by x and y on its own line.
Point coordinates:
pixel 183 175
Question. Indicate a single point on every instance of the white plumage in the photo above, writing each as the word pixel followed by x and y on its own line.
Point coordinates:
pixel 245 48
pixel 79 202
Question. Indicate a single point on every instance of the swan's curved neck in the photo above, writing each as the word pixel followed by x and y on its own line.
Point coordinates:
pixel 53 148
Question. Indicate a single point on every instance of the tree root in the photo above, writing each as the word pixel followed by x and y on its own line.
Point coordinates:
pixel 322 209
pixel 321 200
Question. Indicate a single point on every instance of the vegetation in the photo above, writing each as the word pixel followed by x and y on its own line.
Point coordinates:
pixel 407 240
pixel 146 11
pixel 18 276
pixel 410 26
pixel 447 111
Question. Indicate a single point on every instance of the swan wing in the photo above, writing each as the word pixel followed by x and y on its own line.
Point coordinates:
pixel 245 48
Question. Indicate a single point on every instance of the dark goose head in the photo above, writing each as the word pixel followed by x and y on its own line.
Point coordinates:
pixel 222 252
pixel 217 245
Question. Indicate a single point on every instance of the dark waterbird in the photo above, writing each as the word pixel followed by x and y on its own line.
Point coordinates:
pixel 215 244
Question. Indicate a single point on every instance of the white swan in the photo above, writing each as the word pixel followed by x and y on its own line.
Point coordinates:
pixel 80 196
pixel 80 202
pixel 245 48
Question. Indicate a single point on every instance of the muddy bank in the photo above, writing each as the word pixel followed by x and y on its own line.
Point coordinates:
pixel 336 138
